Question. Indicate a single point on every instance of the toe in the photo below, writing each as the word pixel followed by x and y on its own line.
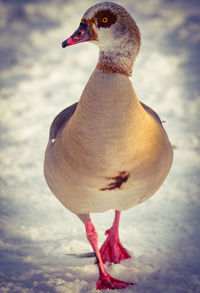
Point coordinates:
pixel 108 282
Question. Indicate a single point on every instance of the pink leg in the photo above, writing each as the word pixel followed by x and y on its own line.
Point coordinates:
pixel 112 249
pixel 105 280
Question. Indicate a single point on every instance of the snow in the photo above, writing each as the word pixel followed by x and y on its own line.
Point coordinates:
pixel 39 79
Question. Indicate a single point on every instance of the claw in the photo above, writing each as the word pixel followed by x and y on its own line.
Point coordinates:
pixel 108 282
pixel 107 231
pixel 112 250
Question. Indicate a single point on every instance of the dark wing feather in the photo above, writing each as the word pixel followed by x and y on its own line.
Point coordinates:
pixel 61 119
pixel 151 112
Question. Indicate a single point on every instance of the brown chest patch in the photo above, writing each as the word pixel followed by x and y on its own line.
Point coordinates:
pixel 118 180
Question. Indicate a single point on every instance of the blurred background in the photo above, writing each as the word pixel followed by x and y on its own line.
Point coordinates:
pixel 37 80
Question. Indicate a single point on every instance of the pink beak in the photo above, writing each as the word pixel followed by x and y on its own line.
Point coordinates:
pixel 82 34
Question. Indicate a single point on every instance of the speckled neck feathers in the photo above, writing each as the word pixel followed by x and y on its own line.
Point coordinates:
pixel 111 62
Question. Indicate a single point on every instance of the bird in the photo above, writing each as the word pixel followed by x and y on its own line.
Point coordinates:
pixel 108 151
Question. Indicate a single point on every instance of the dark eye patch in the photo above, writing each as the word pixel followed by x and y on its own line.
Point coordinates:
pixel 105 18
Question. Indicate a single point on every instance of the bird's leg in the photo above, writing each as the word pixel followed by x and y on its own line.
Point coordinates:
pixel 105 280
pixel 112 249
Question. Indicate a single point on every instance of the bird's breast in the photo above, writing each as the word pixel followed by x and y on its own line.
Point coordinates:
pixel 111 153
pixel 118 173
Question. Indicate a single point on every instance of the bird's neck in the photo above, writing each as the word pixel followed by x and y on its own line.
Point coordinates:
pixel 115 62
pixel 108 108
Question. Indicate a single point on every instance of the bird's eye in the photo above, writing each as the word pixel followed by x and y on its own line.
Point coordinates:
pixel 104 19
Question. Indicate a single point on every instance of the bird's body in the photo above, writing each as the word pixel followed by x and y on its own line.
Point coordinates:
pixel 109 151
pixel 109 135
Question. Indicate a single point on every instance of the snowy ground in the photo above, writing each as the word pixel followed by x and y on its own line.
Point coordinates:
pixel 38 79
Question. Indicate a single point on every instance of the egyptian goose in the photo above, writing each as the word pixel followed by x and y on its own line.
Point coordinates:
pixel 109 150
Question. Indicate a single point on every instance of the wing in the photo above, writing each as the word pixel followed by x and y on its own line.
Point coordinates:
pixel 151 112
pixel 60 120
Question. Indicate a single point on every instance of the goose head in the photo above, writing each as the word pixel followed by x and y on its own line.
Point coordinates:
pixel 114 31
